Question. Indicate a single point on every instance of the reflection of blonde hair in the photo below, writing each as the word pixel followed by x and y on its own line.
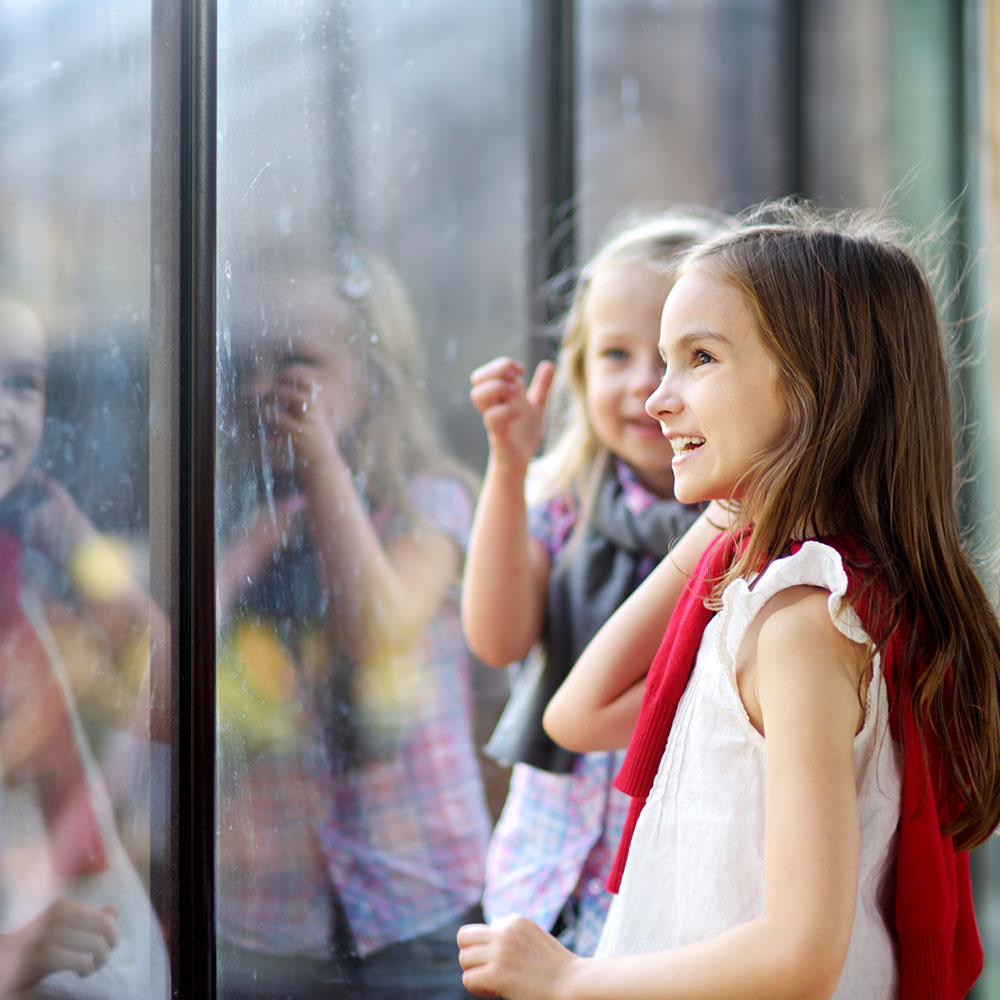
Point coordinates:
pixel 361 299
pixel 574 458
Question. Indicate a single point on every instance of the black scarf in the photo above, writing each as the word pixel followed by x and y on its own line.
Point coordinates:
pixel 590 578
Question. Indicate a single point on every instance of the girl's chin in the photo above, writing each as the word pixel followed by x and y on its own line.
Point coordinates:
pixel 689 493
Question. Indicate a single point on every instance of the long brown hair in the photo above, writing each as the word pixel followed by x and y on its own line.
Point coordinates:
pixel 849 317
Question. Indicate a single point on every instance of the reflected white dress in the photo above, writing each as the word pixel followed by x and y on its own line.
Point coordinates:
pixel 138 965
pixel 696 860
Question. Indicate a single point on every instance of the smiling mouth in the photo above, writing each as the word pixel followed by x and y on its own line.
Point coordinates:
pixel 683 445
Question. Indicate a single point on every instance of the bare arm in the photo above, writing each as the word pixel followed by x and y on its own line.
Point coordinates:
pixel 381 596
pixel 506 571
pixel 597 705
pixel 806 682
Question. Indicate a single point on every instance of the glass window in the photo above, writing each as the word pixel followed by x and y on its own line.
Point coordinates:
pixel 379 169
pixel 84 652
pixel 371 252
pixel 681 102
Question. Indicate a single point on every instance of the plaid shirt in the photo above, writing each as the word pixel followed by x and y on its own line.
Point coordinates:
pixel 558 833
pixel 402 841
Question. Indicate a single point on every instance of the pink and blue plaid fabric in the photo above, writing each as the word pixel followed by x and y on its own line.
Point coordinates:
pixel 558 833
pixel 402 841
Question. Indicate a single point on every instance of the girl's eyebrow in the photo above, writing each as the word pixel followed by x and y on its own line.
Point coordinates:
pixel 30 366
pixel 612 333
pixel 698 336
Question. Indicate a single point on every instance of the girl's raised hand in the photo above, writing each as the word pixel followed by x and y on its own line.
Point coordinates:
pixel 513 958
pixel 513 414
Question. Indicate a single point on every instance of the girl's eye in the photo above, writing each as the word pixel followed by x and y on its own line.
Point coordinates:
pixel 615 354
pixel 702 358
pixel 23 383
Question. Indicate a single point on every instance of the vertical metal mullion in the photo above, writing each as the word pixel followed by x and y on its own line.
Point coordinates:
pixel 978 496
pixel 195 748
pixel 794 32
pixel 552 148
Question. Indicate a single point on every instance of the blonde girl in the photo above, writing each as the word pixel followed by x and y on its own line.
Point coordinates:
pixel 352 805
pixel 804 798
pixel 548 562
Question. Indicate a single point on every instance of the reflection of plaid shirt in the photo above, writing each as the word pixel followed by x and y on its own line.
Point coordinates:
pixel 403 841
pixel 558 833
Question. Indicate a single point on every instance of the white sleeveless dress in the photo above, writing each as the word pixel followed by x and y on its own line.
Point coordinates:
pixel 696 861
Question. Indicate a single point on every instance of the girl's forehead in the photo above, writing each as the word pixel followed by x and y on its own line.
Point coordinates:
pixel 611 275
pixel 700 301
pixel 22 336
pixel 621 287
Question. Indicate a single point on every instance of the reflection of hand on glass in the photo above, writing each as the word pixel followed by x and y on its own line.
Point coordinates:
pixel 67 937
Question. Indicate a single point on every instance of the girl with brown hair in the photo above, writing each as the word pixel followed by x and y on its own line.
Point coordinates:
pixel 815 746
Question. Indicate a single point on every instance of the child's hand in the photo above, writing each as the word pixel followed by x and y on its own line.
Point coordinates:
pixel 513 958
pixel 514 416
pixel 304 409
pixel 67 937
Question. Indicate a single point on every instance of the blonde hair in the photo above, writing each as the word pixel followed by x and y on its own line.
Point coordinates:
pixel 361 298
pixel 574 459
pixel 848 314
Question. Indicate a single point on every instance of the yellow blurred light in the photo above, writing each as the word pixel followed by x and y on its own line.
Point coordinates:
pixel 101 568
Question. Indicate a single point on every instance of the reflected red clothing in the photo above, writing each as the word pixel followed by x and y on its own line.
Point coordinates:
pixel 37 742
pixel 58 837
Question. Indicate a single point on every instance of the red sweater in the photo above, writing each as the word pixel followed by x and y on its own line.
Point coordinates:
pixel 938 945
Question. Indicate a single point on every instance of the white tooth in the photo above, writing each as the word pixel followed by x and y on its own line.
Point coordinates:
pixel 681 444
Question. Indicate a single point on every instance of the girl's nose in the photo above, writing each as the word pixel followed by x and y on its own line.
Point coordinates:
pixel 663 401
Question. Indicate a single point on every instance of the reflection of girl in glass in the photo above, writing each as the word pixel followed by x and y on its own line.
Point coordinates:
pixel 75 918
pixel 353 821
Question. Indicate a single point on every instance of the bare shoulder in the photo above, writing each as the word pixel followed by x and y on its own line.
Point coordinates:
pixel 794 610
pixel 800 653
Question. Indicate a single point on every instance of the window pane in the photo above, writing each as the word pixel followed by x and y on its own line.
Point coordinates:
pixel 372 251
pixel 80 639
pixel 680 102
